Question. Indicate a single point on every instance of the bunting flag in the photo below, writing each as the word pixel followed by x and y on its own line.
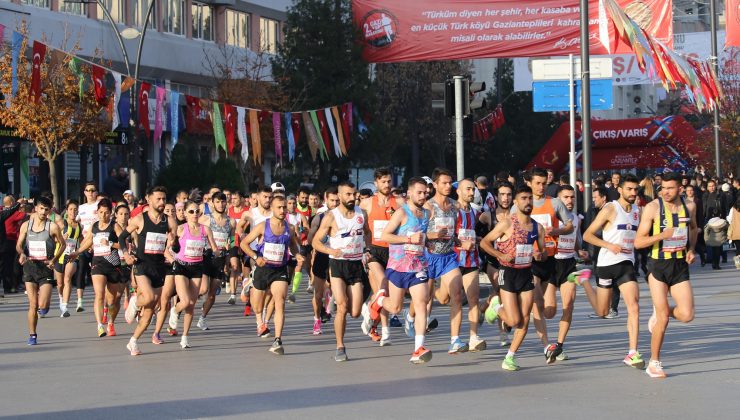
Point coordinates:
pixel 174 117
pixel 361 127
pixel 218 127
pixel 2 33
pixel 98 76
pixel 75 66
pixel 124 109
pixel 15 47
pixel 347 122
pixel 116 99
pixel 331 126
pixel 319 138
pixel 296 123
pixel 144 108
pixel 340 130
pixel 229 127
pixel 324 132
pixel 289 135
pixel 254 127
pixel 241 132
pixel 313 143
pixel 276 133
pixel 158 114
pixel 39 53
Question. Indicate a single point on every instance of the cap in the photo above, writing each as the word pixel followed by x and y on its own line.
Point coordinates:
pixel 129 192
pixel 276 186
pixel 427 179
pixel 725 187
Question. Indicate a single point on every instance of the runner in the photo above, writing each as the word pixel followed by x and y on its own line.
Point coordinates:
pixel 35 250
pixel 440 254
pixel 106 266
pixel 515 238
pixel 466 248
pixel 235 212
pixel 565 265
pixel 88 214
pixel 123 214
pixel 299 224
pixel 256 215
pixel 405 233
pixel 221 227
pixel 379 209
pixel 64 268
pixel 154 231
pixel 348 233
pixel 275 237
pixel 618 222
pixel 320 264
pixel 556 220
pixel 308 213
pixel 669 227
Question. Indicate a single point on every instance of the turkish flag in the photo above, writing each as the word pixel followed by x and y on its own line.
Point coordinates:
pixel 144 108
pixel 230 126
pixel 296 124
pixel 732 23
pixel 347 122
pixel 39 52
pixel 98 76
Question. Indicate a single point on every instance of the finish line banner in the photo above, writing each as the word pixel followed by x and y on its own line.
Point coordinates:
pixel 424 30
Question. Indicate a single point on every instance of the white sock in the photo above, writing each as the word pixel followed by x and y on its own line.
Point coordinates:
pixel 380 301
pixel 100 325
pixel 385 332
pixel 418 341
pixel 132 340
pixel 454 338
pixel 63 306
pixel 631 352
pixel 510 354
pixel 497 308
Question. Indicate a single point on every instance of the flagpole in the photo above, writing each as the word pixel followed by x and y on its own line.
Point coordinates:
pixel 714 60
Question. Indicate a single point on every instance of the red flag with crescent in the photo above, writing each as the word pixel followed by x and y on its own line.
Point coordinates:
pixel 98 76
pixel 296 124
pixel 144 108
pixel 39 52
pixel 230 126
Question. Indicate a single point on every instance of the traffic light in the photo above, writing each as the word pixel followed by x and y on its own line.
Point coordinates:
pixel 447 90
pixel 476 102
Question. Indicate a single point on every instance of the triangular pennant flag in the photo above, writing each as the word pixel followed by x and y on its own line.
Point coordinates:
pixel 98 76
pixel 15 46
pixel 340 131
pixel 332 130
pixel 347 122
pixel 39 53
pixel 276 134
pixel 230 126
pixel 2 33
pixel 116 98
pixel 324 131
pixel 289 135
pixel 218 127
pixel 296 123
pixel 75 66
pixel 174 117
pixel 320 140
pixel 254 127
pixel 144 108
pixel 158 114
pixel 313 142
pixel 241 132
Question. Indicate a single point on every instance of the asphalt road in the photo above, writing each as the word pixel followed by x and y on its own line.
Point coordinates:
pixel 229 373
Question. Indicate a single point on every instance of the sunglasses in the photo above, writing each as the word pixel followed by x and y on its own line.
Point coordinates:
pixel 89 190
pixel 193 211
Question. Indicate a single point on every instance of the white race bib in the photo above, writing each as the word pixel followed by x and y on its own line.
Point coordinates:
pixel 273 253
pixel 445 223
pixel 466 235
pixel 37 250
pixel 194 248
pixel 415 250
pixel 71 246
pixel 221 239
pixel 378 227
pixel 101 246
pixel 155 243
pixel 628 242
pixel 677 242
pixel 523 256
pixel 567 243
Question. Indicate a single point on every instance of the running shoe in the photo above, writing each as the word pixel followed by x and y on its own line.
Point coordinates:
pixel 374 334
pixel 421 355
pixel 105 314
pixel 101 331
pixel 263 331
pixel 655 369
pixel 111 330
pixel 291 298
pixel 65 314
pixel 184 343
pixel 131 310
pixel 504 337
pixel 156 339
pixel 317 327
pixel 218 290
pixel 634 360
pixel 202 323
pixel 408 326
pixel 133 347
pixel 510 364
pixel 79 307
pixel 42 312
pixel 174 317
pixel 579 277
pixel 477 344
pixel 395 322
pixel 385 341
pixel 612 314
pixel 309 290
pixel 277 347
pixel 457 347
pixel 172 332
pixel 562 357
pixel 247 310
pixel 552 351
pixel 325 316
pixel 432 325
pixel 367 323
pixel 32 340
pixel 595 316
pixel 232 300
pixel 375 308
pixel 491 315
pixel 340 355
pixel 652 321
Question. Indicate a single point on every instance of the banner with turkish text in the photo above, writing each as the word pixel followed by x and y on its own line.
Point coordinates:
pixel 732 23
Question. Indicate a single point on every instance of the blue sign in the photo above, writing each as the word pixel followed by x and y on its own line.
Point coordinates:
pixel 552 95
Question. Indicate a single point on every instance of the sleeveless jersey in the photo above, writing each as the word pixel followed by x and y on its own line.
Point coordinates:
pixel 621 232
pixel 441 220
pixel 274 248
pixel 378 218
pixel 350 236
pixel 71 240
pixel 520 245
pixel 256 218
pixel 236 216
pixel 152 240
pixel 675 246
pixel 409 258
pixel 39 245
pixel 465 231
pixel 546 216
pixel 221 234
pixel 102 241
pixel 192 246
pixel 567 243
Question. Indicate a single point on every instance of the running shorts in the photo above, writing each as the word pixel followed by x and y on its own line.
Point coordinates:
pixel 615 275
pixel 351 272
pixel 37 272
pixel 320 266
pixel 562 269
pixel 440 264
pixel 544 270
pixel 404 280
pixel 379 254
pixel 154 272
pixel 188 270
pixel 671 271
pixel 515 280
pixel 111 272
pixel 265 276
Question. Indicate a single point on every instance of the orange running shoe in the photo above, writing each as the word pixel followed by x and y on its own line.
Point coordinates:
pixel 374 334
pixel 421 355
pixel 111 330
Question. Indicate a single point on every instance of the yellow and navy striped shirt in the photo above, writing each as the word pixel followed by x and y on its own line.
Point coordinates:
pixel 72 236
pixel 675 246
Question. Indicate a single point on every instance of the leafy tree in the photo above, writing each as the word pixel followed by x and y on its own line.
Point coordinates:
pixel 188 168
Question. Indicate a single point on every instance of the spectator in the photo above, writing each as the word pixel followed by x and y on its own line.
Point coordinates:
pixel 734 230
pixel 715 235
pixel 612 193
pixel 714 201
pixel 7 245
pixel 692 196
pixel 487 200
pixel 551 190
pixel 128 197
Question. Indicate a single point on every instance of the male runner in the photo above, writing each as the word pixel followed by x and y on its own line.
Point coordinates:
pixel 37 239
pixel 299 224
pixel 348 233
pixel 307 212
pixel 515 238
pixel 320 264
pixel 222 227
pixel 257 214
pixel 669 227
pixel 154 231
pixel 275 237
pixel 87 215
pixel 235 212
pixel 618 222
pixel 405 233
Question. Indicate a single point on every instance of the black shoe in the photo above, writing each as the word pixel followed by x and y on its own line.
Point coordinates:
pixel 325 317
pixel 553 351
pixel 277 347
pixel 433 324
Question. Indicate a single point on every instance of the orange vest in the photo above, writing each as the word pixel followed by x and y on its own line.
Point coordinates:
pixel 546 216
pixel 379 217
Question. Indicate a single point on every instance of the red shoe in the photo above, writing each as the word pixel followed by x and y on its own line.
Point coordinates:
pixel 421 355
pixel 111 330
pixel 375 307
pixel 247 310
pixel 172 332
pixel 105 314
pixel 374 334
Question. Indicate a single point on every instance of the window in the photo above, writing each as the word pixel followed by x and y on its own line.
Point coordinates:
pixel 202 24
pixel 269 35
pixel 238 29
pixel 139 12
pixel 172 16
pixel 37 3
pixel 75 8
pixel 115 8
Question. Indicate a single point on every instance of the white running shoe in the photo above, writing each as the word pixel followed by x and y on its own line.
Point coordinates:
pixel 366 320
pixel 184 343
pixel 174 317
pixel 131 310
pixel 202 324
pixel 133 347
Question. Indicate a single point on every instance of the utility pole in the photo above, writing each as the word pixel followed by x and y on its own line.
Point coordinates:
pixel 462 101
pixel 585 106
pixel 715 59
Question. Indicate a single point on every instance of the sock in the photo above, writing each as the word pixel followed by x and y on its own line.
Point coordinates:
pixel 454 338
pixel 418 341
pixel 497 308
pixel 631 352
pixel 380 301
pixel 510 353
pixel 33 335
pixel 79 301
pixel 100 325
pixel 385 332
pixel 559 344
pixel 63 306
pixel 315 318
pixel 132 340
pixel 233 296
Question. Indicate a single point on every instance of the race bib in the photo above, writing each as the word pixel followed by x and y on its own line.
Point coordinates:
pixel 444 223
pixel 567 243
pixel 273 253
pixel 378 227
pixel 466 235
pixel 628 242
pixel 414 250
pixel 194 248
pixel 221 239
pixel 70 246
pixel 37 250
pixel 523 256
pixel 677 242
pixel 353 249
pixel 544 220
pixel 155 243
pixel 101 246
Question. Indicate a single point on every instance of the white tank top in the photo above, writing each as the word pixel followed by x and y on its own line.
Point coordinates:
pixel 621 232
pixel 350 236
pixel 256 218
pixel 567 243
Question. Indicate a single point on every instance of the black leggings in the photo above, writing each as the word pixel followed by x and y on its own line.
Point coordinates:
pixel 83 270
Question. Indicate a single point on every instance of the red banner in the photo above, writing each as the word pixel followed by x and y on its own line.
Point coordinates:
pixel 98 76
pixel 732 23
pixel 422 30
pixel 144 108
pixel 230 126
pixel 39 52
pixel 197 119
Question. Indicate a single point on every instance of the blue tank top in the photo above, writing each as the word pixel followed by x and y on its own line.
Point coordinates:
pixel 274 248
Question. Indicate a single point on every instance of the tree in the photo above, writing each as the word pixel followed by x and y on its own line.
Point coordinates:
pixel 179 173
pixel 63 120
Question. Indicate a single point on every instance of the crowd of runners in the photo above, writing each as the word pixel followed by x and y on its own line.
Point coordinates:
pixel 366 255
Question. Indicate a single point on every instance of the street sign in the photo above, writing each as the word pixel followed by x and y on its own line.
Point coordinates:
pixel 559 69
pixel 552 96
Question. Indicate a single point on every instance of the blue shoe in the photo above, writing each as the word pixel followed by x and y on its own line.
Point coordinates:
pixel 408 326
pixel 218 291
pixel 458 347
pixel 32 340
pixel 42 312
pixel 395 323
